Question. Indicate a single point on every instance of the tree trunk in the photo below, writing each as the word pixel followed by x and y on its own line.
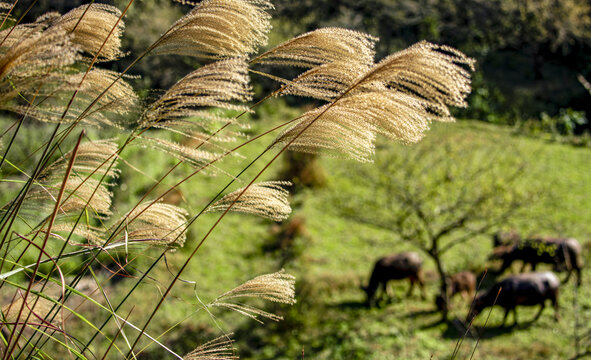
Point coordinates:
pixel 443 285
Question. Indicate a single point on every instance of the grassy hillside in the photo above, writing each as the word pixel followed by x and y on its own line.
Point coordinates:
pixel 337 254
pixel 330 322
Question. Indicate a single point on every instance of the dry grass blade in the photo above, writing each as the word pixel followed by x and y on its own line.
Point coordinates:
pixel 217 349
pixel 267 199
pixel 276 287
pixel 214 85
pixel 155 224
pixel 320 47
pixel 90 25
pixel 219 28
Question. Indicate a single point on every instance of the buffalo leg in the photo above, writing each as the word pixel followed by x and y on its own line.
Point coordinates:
pixel 555 304
pixel 505 317
pixel 412 285
pixel 542 306
pixel 567 277
pixel 421 285
pixel 578 277
pixel 514 316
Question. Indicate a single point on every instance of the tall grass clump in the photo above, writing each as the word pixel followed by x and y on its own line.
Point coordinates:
pixel 60 223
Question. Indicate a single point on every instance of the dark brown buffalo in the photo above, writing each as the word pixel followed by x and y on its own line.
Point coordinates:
pixel 463 283
pixel 395 267
pixel 529 289
pixel 561 253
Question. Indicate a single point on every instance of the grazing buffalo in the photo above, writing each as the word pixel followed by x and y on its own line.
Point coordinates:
pixel 501 238
pixel 395 267
pixel 524 289
pixel 463 283
pixel 562 253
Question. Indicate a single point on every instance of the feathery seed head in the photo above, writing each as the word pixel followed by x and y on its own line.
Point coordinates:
pixel 276 287
pixel 36 306
pixel 219 28
pixel 155 223
pixel 431 72
pixel 112 109
pixel 397 97
pixel 90 25
pixel 92 158
pixel 67 227
pixel 220 348
pixel 267 199
pixel 327 81
pixel 320 47
pixel 213 85
pixel 34 54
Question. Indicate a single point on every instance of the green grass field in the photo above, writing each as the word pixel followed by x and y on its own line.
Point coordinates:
pixel 330 320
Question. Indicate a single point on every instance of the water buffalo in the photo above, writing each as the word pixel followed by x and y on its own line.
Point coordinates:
pixel 524 289
pixel 395 267
pixel 562 253
pixel 463 283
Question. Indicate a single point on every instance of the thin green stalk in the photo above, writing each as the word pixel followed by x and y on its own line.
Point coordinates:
pixel 52 219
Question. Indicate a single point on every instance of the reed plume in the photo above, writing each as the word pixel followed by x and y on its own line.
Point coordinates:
pixel 335 58
pixel 220 348
pixel 36 308
pixel 218 28
pixel 90 25
pixel 277 287
pixel 267 199
pixel 113 109
pixel 33 59
pixel 155 224
pixel 320 47
pixel 398 98
pixel 184 107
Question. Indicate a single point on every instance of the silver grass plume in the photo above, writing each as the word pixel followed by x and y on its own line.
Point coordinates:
pixel 435 73
pixel 155 224
pixel 327 81
pixel 335 57
pixel 35 58
pixel 267 199
pixel 220 348
pixel 398 98
pixel 90 25
pixel 36 309
pixel 219 28
pixel 277 287
pixel 213 85
pixel 320 47
pixel 92 157
pixel 112 109
pixel 64 229
pixel 78 191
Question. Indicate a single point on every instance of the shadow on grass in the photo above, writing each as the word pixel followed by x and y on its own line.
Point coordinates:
pixel 457 329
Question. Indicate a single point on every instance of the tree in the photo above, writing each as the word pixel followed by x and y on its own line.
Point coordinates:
pixel 441 194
